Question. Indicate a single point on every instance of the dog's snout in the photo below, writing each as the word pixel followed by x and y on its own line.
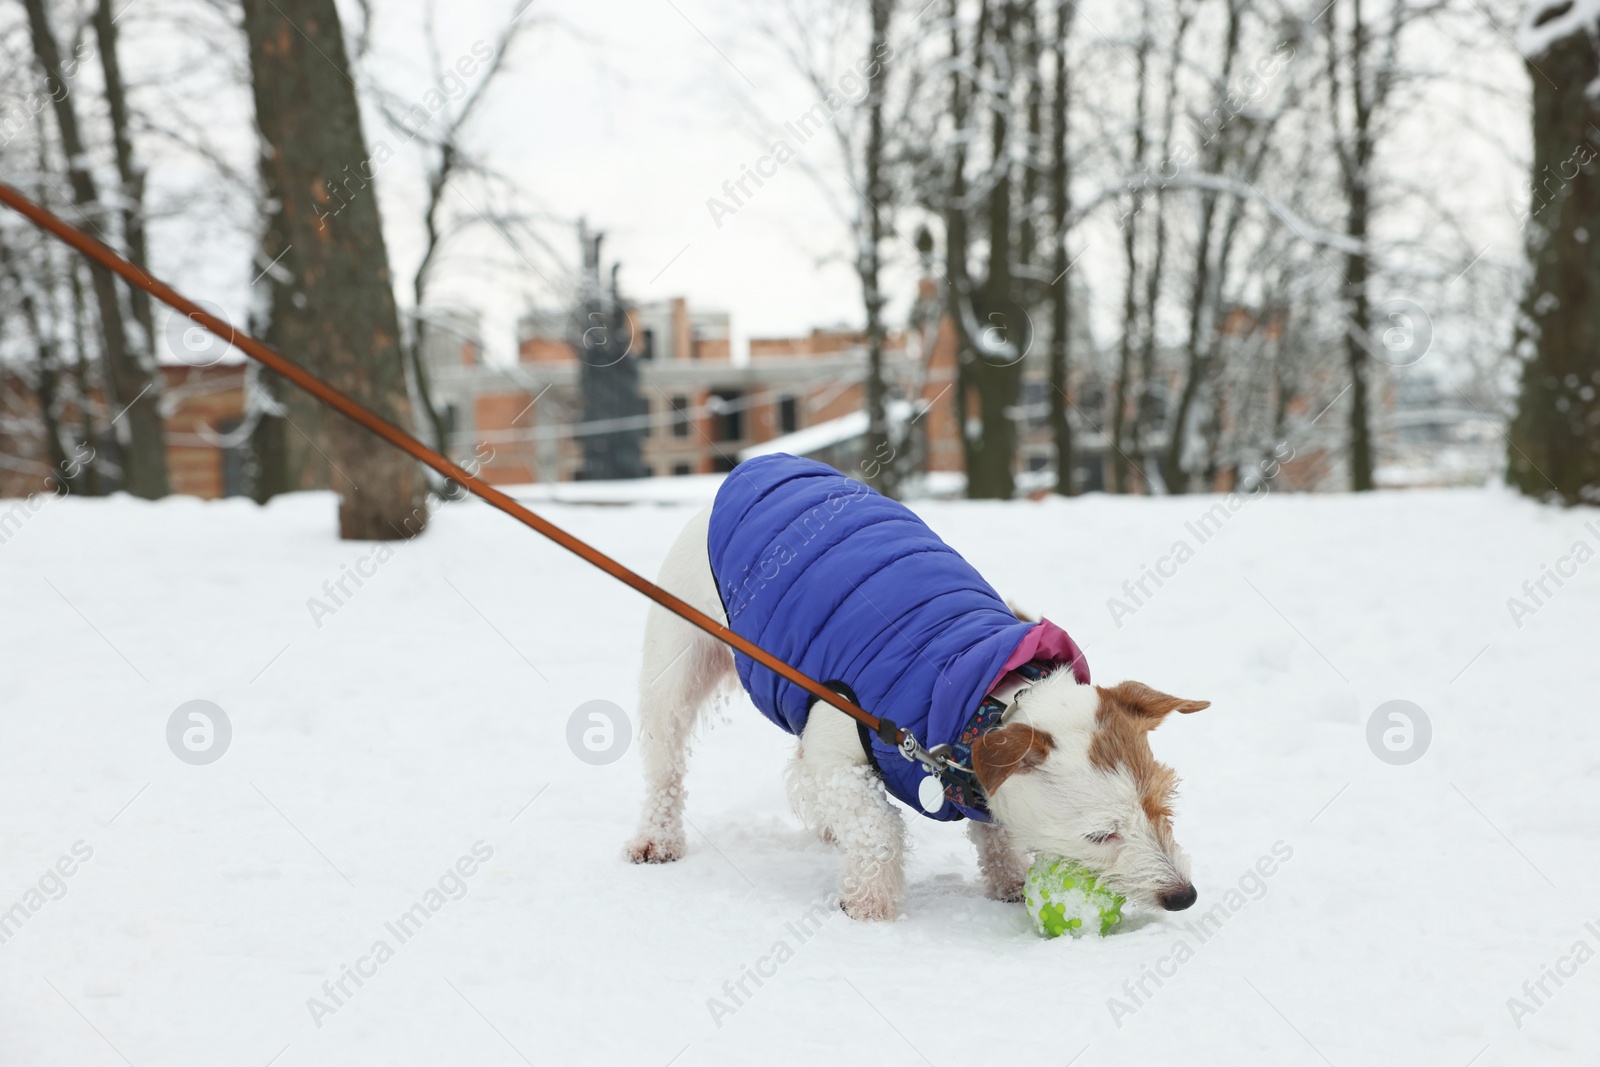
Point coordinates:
pixel 1178 899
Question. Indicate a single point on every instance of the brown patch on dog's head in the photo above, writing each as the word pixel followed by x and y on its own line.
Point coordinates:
pixel 1012 749
pixel 1128 712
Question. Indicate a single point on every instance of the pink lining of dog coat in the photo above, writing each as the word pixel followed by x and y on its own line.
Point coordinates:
pixel 1048 642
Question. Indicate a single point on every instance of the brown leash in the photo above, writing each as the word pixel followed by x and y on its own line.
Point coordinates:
pixel 887 731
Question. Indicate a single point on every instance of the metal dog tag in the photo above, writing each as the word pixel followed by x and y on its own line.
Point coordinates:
pixel 930 794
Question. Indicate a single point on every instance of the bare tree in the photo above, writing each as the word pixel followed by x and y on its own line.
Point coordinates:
pixel 1130 258
pixel 1364 69
pixel 1555 436
pixel 1151 404
pixel 130 370
pixel 447 159
pixel 341 318
pixel 1061 286
pixel 129 172
pixel 876 201
pixel 997 324
pixel 815 41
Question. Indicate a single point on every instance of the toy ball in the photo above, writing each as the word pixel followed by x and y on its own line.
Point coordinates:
pixel 1066 898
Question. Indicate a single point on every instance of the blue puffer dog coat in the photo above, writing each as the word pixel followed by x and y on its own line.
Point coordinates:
pixel 854 590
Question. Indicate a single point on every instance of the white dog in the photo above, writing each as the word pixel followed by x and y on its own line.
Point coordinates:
pixel 1067 772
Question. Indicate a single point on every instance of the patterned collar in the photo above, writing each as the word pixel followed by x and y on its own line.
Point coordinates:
pixel 961 785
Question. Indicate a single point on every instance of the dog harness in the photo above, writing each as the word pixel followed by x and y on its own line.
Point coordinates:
pixel 856 591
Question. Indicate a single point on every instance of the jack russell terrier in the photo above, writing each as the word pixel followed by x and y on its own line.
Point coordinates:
pixel 857 592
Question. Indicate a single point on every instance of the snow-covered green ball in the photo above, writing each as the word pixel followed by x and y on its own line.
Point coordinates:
pixel 1066 898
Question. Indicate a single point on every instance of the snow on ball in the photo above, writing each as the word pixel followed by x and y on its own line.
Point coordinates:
pixel 1064 897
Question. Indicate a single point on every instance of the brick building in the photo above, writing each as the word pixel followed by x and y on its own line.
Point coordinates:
pixel 202 406
pixel 705 410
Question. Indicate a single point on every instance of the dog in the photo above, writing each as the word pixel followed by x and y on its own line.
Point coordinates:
pixel 854 590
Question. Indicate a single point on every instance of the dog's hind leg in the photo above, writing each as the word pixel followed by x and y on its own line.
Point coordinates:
pixel 1003 867
pixel 682 668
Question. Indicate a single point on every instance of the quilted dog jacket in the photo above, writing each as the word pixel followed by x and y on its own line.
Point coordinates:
pixel 854 589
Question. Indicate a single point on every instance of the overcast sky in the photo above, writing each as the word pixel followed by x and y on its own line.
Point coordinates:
pixel 631 114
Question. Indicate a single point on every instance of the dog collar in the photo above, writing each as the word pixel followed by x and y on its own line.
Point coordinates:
pixel 958 782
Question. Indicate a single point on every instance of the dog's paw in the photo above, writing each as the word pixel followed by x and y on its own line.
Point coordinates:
pixel 1008 892
pixel 647 849
pixel 871 908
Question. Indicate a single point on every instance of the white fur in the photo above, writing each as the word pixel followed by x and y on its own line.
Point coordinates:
pixel 835 793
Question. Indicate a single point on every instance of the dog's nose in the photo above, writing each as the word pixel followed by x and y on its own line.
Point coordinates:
pixel 1178 899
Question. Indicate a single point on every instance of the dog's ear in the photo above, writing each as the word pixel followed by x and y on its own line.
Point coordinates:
pixel 1147 705
pixel 1006 750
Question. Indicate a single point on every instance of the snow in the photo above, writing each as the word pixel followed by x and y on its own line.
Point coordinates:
pixel 812 438
pixel 687 489
pixel 1545 22
pixel 411 750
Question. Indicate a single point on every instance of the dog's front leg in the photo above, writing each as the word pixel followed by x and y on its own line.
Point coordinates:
pixel 836 793
pixel 1002 866
pixel 863 821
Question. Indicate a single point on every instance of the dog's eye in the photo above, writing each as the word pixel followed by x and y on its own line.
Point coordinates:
pixel 1105 837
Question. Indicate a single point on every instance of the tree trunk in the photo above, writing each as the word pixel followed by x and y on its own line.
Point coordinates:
pixel 997 379
pixel 345 327
pixel 416 354
pixel 1201 342
pixel 269 467
pixel 955 220
pixel 1130 259
pixel 129 171
pixel 92 485
pixel 45 392
pixel 1358 308
pixel 1147 417
pixel 1555 434
pixel 880 465
pixel 1061 288
pixel 131 377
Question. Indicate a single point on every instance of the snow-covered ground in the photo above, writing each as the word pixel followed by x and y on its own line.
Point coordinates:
pixel 420 731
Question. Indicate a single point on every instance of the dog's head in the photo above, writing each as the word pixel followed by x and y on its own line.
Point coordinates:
pixel 1070 773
